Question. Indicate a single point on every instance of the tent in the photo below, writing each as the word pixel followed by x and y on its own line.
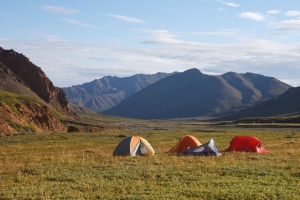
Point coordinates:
pixel 134 146
pixel 184 143
pixel 207 149
pixel 246 143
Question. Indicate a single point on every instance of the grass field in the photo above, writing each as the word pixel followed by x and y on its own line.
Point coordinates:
pixel 81 166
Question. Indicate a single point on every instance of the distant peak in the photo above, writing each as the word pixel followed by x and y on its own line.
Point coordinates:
pixel 193 70
pixel 230 73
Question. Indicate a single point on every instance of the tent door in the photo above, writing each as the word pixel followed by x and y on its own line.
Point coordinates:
pixel 140 149
pixel 136 151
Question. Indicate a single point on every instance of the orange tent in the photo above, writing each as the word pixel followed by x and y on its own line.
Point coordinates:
pixel 246 143
pixel 184 143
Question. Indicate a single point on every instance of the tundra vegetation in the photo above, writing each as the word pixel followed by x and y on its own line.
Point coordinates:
pixel 81 165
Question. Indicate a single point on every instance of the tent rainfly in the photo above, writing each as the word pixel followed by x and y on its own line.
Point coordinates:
pixel 134 146
pixel 246 143
pixel 184 143
pixel 207 149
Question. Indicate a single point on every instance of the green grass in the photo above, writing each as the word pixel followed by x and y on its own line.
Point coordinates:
pixel 20 128
pixel 81 166
pixel 10 99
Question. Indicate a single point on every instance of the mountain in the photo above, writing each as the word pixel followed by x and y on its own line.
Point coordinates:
pixel 285 104
pixel 21 110
pixel 36 80
pixel 29 102
pixel 102 94
pixel 192 93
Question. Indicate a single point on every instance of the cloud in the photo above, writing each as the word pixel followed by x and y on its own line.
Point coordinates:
pixel 78 23
pixel 230 4
pixel 126 19
pixel 293 13
pixel 56 9
pixel 252 15
pixel 160 37
pixel 273 12
pixel 287 25
pixel 69 63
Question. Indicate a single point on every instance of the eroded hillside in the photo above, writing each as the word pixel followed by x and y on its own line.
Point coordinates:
pixel 23 114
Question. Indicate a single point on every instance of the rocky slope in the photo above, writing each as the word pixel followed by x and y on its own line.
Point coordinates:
pixel 11 83
pixel 22 114
pixel 193 93
pixel 36 80
pixel 104 93
pixel 29 102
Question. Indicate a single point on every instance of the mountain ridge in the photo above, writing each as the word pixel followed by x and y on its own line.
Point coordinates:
pixel 104 93
pixel 192 93
pixel 285 104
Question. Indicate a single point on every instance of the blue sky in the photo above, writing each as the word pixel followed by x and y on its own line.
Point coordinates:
pixel 76 41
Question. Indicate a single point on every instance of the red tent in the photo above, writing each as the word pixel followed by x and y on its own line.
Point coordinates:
pixel 246 143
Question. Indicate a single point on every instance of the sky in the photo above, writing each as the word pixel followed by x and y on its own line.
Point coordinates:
pixel 78 41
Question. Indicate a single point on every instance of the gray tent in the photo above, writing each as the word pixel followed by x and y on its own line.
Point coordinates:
pixel 207 149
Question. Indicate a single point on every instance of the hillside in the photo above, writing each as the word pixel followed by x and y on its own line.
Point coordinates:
pixel 81 109
pixel 36 80
pixel 20 108
pixel 28 100
pixel 285 104
pixel 193 93
pixel 102 94
pixel 23 114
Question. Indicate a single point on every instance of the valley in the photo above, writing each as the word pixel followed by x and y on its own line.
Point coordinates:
pixel 81 165
pixel 51 149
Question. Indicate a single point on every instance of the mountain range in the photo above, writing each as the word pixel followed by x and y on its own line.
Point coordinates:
pixel 29 102
pixel 192 93
pixel 102 94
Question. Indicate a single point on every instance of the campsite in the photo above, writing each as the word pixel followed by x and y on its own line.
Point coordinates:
pixel 82 166
pixel 130 100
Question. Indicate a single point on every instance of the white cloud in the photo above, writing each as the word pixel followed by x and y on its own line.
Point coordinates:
pixel 232 4
pixel 293 13
pixel 273 12
pixel 78 23
pixel 56 9
pixel 229 4
pixel 287 25
pixel 126 19
pixel 252 15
